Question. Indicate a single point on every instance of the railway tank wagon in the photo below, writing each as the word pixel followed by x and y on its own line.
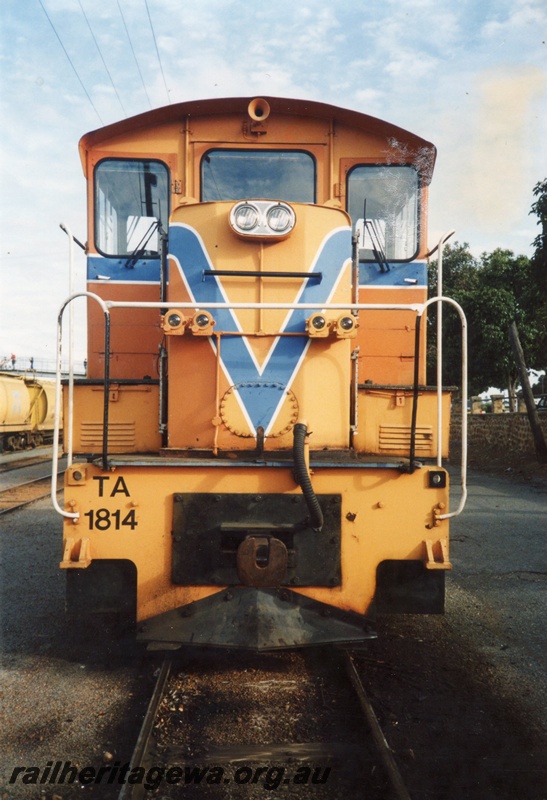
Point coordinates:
pixel 254 444
pixel 26 411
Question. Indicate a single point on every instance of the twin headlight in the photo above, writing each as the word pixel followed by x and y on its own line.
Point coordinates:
pixel 319 326
pixel 262 218
pixel 176 324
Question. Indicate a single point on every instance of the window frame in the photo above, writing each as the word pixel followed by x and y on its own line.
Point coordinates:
pixel 262 150
pixel 349 165
pixel 96 209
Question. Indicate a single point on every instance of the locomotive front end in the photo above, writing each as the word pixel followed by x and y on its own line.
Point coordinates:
pixel 256 454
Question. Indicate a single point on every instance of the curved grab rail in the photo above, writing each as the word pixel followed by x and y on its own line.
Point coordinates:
pixel 463 468
pixel 74 515
pixel 418 308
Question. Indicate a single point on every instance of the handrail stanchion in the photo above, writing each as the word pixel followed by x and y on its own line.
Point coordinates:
pixel 70 343
pixel 56 421
pixel 106 392
pixel 440 246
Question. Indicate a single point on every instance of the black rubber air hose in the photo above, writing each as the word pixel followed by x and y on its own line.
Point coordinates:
pixel 302 476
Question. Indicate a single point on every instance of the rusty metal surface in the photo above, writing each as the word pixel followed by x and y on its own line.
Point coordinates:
pixel 209 529
pixel 256 619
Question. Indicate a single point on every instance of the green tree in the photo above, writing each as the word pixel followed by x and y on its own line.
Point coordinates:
pixel 539 266
pixel 539 208
pixel 493 290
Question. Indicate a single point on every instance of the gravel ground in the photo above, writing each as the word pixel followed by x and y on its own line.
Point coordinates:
pixel 463 697
pixel 66 694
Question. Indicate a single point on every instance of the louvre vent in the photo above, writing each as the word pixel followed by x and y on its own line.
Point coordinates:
pixel 393 438
pixel 121 436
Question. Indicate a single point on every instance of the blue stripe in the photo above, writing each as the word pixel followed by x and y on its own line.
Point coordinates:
pixel 145 269
pixel 261 400
pixel 413 273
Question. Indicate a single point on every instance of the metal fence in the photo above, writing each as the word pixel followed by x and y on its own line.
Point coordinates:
pixel 42 367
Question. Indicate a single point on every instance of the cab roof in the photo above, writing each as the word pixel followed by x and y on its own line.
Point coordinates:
pixel 278 106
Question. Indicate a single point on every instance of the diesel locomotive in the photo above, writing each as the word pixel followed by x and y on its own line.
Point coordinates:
pixel 255 458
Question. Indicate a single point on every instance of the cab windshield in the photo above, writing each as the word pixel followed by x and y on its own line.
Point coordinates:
pixel 260 174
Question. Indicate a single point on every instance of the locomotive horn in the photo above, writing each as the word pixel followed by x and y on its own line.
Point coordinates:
pixel 258 109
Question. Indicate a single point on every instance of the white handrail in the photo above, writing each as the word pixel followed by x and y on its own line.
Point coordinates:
pixel 418 308
pixel 70 341
pixel 463 467
pixel 57 414
pixel 440 248
pixel 296 306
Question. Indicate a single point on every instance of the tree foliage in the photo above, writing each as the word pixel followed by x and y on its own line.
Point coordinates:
pixel 539 208
pixel 539 264
pixel 493 290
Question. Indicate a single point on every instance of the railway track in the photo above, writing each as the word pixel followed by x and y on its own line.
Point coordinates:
pixel 242 727
pixel 24 493
pixel 11 464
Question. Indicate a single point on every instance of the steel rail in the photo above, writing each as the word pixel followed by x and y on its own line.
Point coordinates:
pixel 133 791
pixel 400 791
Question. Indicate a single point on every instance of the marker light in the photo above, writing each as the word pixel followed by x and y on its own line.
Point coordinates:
pixel 202 324
pixel 317 325
pixel 318 322
pixel 346 326
pixel 262 219
pixel 346 323
pixel 174 322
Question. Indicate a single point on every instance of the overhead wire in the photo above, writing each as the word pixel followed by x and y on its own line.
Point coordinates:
pixel 101 56
pixel 71 62
pixel 157 51
pixel 76 73
pixel 134 54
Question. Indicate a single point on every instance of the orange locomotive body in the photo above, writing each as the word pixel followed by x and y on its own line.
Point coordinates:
pixel 254 445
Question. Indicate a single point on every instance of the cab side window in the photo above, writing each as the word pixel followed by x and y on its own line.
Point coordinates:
pixel 383 202
pixel 131 203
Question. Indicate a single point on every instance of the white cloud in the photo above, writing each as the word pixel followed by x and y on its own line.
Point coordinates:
pixel 465 76
pixel 522 14
pixel 408 66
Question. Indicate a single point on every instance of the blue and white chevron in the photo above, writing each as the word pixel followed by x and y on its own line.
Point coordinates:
pixel 260 403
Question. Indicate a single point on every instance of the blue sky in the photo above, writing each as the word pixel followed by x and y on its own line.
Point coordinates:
pixel 470 76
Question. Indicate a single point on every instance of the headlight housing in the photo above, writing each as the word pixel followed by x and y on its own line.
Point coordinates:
pixel 262 219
